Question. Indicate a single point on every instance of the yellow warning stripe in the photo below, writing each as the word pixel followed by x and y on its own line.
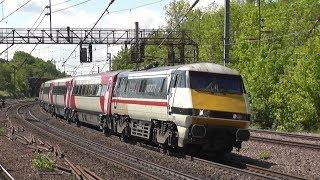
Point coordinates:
pixel 218 102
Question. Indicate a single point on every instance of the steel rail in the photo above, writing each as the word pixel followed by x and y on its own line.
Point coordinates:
pixel 5 173
pixel 300 136
pixel 149 176
pixel 251 169
pixel 272 173
pixel 227 167
pixel 122 157
pixel 141 165
pixel 285 142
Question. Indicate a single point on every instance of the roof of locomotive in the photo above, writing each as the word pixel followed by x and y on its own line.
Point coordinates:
pixel 201 67
pixel 64 79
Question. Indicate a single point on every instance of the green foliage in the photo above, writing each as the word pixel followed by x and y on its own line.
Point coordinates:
pixel 1 131
pixel 264 155
pixel 281 71
pixel 14 74
pixel 43 163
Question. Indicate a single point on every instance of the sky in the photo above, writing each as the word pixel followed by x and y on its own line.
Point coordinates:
pixel 82 16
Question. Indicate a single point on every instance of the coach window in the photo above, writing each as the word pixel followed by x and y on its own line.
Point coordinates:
pixel 64 90
pixel 88 90
pixel 81 90
pixel 99 90
pixel 143 86
pixel 132 87
pixel 77 91
pixel 94 90
pixel 122 86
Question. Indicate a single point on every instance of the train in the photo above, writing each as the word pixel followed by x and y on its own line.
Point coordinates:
pixel 200 107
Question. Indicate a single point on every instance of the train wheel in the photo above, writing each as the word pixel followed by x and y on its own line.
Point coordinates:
pixel 125 135
pixel 65 115
pixel 166 149
pixel 106 131
pixel 76 119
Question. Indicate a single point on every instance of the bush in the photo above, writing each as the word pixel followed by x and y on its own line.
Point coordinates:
pixel 1 131
pixel 42 162
pixel 264 155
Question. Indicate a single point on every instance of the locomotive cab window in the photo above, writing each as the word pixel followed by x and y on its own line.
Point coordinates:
pixel 178 79
pixel 216 83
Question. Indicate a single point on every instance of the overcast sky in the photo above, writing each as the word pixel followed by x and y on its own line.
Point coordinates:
pixel 83 16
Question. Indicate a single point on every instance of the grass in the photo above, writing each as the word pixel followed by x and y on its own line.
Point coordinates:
pixel 42 162
pixel 264 155
pixel 1 131
pixel 4 94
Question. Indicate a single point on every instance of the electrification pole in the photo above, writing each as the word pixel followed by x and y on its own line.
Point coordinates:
pixel 7 51
pixel 49 14
pixel 226 32
pixel 260 23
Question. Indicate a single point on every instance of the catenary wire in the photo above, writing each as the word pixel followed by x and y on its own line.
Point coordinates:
pixel 62 9
pixel 16 10
pixel 106 10
pixel 178 24
pixel 61 3
pixel 121 10
pixel 38 18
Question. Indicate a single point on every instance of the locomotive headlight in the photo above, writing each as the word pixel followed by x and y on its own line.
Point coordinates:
pixel 237 116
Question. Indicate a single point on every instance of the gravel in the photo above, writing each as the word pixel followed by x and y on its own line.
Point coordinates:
pixel 200 170
pixel 101 167
pixel 290 160
pixel 286 159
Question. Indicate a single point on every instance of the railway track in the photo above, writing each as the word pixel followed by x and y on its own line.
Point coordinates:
pixel 132 163
pixel 299 136
pixel 247 169
pixel 250 169
pixel 4 174
pixel 285 142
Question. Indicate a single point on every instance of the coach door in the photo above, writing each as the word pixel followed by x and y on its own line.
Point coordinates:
pixel 178 80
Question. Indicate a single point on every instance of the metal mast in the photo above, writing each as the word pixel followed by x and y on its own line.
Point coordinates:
pixel 226 32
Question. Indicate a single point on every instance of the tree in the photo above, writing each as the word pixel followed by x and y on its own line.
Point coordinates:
pixel 279 60
pixel 14 74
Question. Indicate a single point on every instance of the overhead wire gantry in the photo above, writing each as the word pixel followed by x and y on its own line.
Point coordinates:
pixel 100 36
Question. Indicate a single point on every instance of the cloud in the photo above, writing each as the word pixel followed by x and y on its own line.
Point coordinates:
pixel 33 7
